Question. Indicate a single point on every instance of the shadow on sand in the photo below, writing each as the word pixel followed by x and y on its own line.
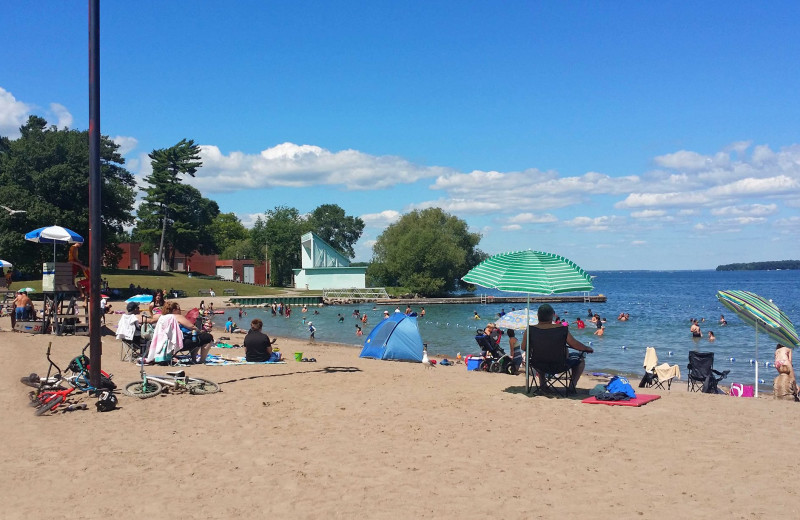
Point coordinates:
pixel 323 370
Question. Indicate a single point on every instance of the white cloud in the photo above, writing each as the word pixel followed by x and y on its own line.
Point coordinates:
pixel 461 206
pixel 382 219
pixel 683 160
pixel 746 210
pixel 299 166
pixel 248 219
pixel 511 227
pixel 13 114
pixel 670 200
pixel 530 218
pixel 753 186
pixel 638 242
pixel 62 115
pixel 603 223
pixel 126 144
pixel 648 213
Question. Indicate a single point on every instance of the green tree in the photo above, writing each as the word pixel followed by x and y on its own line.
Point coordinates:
pixel 191 218
pixel 163 190
pixel 331 224
pixel 280 231
pixel 228 230
pixel 425 251
pixel 242 249
pixel 46 173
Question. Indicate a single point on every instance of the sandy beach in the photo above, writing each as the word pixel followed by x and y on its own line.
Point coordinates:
pixel 355 438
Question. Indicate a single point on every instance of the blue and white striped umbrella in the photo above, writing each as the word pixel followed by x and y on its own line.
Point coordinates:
pixel 5 266
pixel 54 235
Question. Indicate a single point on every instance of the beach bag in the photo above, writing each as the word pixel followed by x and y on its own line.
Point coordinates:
pixel 620 385
pixel 742 390
pixel 147 332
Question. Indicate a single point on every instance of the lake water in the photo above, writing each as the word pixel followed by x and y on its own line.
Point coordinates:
pixel 660 304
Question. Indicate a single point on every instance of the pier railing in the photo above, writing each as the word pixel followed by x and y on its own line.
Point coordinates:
pixel 354 294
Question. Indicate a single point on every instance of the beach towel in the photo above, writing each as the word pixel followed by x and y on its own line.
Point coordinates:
pixel 126 328
pixel 213 360
pixel 167 340
pixel 650 359
pixel 637 401
pixel 665 372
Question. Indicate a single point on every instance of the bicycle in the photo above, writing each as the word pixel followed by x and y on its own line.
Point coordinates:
pixel 152 385
pixel 49 394
pixel 79 378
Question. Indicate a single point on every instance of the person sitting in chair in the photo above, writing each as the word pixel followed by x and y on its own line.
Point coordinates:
pixel 547 330
pixel 258 346
pixel 193 340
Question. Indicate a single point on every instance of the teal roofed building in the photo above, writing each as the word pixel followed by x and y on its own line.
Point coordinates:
pixel 323 267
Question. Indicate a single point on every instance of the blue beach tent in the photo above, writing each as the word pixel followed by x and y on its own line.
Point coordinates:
pixel 396 337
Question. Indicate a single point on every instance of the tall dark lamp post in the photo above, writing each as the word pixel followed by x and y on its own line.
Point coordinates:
pixel 95 183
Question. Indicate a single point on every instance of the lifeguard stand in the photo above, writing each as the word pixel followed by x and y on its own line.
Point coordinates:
pixel 62 311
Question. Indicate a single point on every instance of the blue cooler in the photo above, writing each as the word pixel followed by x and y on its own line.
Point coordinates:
pixel 473 363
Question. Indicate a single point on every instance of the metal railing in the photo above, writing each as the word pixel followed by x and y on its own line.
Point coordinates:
pixel 355 294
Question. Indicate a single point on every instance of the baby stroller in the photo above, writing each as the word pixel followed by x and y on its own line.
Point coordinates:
pixel 495 358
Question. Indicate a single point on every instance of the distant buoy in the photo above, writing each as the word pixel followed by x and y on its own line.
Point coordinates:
pixel 766 363
pixel 761 381
pixel 732 359
pixel 624 347
pixel 669 353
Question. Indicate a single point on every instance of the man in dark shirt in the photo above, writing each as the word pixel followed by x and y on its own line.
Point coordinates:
pixel 257 345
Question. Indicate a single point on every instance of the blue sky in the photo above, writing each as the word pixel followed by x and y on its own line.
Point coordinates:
pixel 623 135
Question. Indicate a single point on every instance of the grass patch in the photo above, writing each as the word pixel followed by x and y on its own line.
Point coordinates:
pixel 122 279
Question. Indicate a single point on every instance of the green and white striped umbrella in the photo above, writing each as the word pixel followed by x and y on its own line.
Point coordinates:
pixel 763 315
pixel 530 272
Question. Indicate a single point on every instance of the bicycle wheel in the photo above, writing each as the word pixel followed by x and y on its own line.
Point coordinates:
pixel 200 386
pixel 138 389
pixel 49 405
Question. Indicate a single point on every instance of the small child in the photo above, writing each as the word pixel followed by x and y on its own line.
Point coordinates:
pixel 311 330
pixel 358 331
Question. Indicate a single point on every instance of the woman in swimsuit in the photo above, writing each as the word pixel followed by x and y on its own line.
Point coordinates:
pixel 783 364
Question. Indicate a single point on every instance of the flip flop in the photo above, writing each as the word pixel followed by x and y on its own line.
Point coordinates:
pixel 312 360
pixel 304 360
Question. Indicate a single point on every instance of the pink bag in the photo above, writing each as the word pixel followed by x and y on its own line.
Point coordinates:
pixel 741 390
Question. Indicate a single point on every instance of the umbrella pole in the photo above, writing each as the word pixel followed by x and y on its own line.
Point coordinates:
pixel 756 385
pixel 527 346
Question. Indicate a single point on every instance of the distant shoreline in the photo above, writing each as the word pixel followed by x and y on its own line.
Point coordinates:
pixel 778 265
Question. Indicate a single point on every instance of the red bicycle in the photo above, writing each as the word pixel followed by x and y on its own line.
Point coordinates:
pixel 49 393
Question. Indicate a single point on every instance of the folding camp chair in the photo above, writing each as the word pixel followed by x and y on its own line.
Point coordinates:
pixel 656 375
pixel 702 376
pixel 549 357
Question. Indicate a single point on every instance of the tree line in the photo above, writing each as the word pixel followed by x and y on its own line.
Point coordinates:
pixel 761 266
pixel 45 172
